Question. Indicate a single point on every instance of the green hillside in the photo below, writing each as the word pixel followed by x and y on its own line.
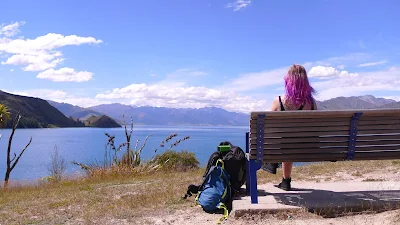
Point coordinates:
pixel 35 112
pixel 101 121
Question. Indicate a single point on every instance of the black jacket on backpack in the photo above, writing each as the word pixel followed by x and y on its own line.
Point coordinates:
pixel 235 165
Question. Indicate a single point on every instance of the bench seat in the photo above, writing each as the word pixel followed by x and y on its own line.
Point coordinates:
pixel 316 136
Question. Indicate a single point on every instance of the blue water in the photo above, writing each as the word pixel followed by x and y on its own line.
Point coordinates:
pixel 87 145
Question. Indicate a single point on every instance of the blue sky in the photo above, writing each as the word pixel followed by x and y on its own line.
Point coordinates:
pixel 178 53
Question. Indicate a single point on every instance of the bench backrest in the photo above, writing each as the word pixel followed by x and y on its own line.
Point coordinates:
pixel 307 136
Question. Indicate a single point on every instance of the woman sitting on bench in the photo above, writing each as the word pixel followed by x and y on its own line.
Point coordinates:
pixel 298 96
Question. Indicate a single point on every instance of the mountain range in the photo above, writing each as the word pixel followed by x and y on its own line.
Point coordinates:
pixel 41 113
pixel 209 115
pixel 357 102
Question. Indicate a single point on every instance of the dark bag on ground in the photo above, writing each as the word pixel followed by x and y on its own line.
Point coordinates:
pixel 235 164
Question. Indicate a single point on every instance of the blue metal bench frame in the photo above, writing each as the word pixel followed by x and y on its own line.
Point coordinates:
pixel 253 165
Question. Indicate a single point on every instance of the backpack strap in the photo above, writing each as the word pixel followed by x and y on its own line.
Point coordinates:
pixel 280 102
pixel 226 213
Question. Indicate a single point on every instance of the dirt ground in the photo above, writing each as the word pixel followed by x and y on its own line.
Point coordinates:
pixel 155 199
pixel 195 215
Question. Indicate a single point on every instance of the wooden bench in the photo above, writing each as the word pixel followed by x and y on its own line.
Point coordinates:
pixel 316 136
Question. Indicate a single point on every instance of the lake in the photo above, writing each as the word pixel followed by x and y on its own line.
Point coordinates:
pixel 87 145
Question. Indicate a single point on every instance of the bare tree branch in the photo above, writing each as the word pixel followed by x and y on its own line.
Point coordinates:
pixel 9 160
pixel 15 155
pixel 22 152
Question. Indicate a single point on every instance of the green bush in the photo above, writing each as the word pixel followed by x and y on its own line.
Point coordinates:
pixel 176 161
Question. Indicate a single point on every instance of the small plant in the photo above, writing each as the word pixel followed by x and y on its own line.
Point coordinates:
pixel 176 161
pixel 58 166
pixel 4 115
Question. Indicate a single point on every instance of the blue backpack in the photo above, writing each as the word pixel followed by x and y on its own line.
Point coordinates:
pixel 215 191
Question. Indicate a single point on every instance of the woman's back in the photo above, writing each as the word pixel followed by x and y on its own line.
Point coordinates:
pixel 283 104
pixel 286 105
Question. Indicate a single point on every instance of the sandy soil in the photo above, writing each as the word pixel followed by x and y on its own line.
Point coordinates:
pixel 195 215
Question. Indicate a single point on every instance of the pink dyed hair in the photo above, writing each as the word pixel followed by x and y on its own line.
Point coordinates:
pixel 298 89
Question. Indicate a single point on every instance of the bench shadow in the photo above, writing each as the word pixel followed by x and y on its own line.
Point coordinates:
pixel 331 204
pixel 334 204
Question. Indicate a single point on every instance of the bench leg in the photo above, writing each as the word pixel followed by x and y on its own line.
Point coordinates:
pixel 247 163
pixel 247 177
pixel 254 166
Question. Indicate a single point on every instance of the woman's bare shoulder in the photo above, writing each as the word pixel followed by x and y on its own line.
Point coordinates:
pixel 275 104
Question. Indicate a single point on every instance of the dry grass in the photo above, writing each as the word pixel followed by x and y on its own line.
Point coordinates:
pixel 130 197
pixel 88 200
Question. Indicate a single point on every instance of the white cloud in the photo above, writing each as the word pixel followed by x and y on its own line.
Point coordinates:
pixel 251 81
pixel 12 70
pixel 341 61
pixel 35 62
pixel 188 72
pixel 41 93
pixel 65 74
pixel 377 63
pixel 60 96
pixel 364 83
pixel 396 98
pixel 40 53
pixel 238 4
pixel 184 74
pixel 324 72
pixel 10 29
pixel 179 96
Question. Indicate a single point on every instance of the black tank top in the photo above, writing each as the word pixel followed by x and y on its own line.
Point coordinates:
pixel 301 107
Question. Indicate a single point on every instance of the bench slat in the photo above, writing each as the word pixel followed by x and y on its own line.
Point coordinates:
pixel 325 144
pixel 267 152
pixel 383 155
pixel 323 133
pixel 325 123
pixel 390 137
pixel 326 113
pixel 327 149
pixel 329 128
pixel 301 145
pixel 303 157
pixel 325 119
pixel 302 140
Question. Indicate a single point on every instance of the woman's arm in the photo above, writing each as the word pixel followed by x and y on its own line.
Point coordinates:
pixel 275 105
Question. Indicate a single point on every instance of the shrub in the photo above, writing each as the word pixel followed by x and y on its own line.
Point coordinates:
pixel 57 167
pixel 176 161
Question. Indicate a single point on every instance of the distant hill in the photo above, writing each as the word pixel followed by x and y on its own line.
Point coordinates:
pixel 35 112
pixel 74 111
pixel 101 121
pixel 393 105
pixel 356 102
pixel 172 116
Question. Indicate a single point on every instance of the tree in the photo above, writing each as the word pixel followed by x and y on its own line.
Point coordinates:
pixel 11 163
pixel 4 114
